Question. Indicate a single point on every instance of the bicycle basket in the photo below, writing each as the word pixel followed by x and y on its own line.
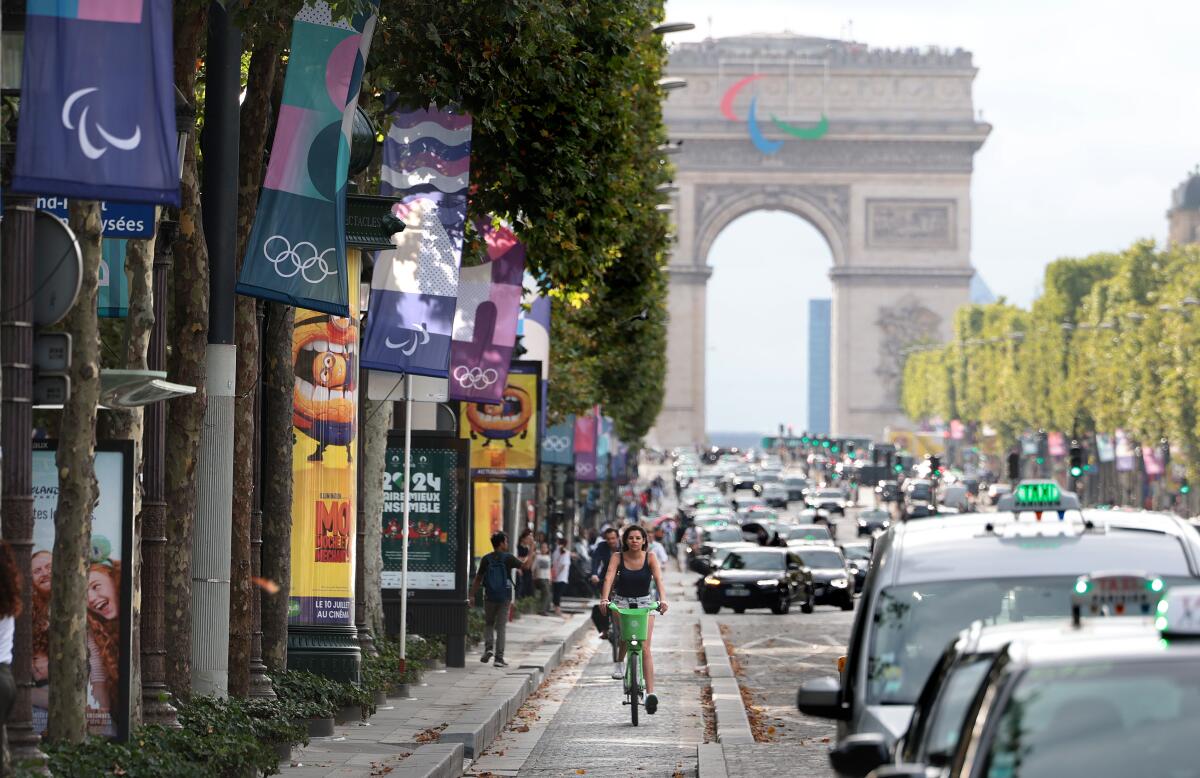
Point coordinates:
pixel 633 626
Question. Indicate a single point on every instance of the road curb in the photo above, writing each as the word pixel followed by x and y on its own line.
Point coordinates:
pixel 432 760
pixel 478 726
pixel 710 761
pixel 733 725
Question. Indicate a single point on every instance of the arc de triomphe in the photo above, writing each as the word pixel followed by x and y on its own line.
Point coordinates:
pixel 875 149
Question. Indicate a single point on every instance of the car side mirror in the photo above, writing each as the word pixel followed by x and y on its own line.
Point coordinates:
pixel 700 566
pixel 822 697
pixel 899 771
pixel 857 755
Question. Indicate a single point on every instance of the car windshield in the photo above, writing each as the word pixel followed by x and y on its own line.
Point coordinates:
pixel 857 552
pixel 919 492
pixel 725 535
pixel 913 623
pixel 796 483
pixel 808 533
pixel 753 560
pixel 822 558
pixel 829 494
pixel 956 694
pixel 1102 719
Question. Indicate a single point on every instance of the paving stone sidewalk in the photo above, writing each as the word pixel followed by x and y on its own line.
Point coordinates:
pixel 453 714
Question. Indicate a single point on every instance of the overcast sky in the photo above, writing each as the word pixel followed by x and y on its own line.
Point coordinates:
pixel 1095 119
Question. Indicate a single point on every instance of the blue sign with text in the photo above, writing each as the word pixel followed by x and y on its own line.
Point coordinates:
pixel 121 220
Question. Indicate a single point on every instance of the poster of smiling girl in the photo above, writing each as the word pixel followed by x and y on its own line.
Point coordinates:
pixel 108 587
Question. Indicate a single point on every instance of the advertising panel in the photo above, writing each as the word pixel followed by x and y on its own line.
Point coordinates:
pixel 487 515
pixel 505 435
pixel 324 428
pixel 109 630
pixel 435 520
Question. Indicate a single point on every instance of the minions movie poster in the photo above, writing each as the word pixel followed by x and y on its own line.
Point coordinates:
pixel 324 432
pixel 504 435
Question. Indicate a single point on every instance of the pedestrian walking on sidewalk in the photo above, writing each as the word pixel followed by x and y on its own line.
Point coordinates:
pixel 495 574
pixel 541 578
pixel 560 573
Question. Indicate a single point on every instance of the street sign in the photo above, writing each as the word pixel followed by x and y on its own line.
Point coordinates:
pixel 51 390
pixel 366 225
pixel 52 352
pixel 121 220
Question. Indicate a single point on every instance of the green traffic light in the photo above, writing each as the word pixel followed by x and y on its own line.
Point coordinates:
pixel 834 449
pixel 1076 472
pixel 1185 489
pixel 1041 460
pixel 898 468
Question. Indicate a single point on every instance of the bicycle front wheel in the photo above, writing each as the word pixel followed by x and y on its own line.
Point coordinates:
pixel 634 688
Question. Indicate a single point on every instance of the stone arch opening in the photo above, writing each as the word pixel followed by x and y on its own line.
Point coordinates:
pixel 767 264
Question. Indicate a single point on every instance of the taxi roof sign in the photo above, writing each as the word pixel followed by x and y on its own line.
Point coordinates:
pixel 1038 496
pixel 1118 594
pixel 1179 613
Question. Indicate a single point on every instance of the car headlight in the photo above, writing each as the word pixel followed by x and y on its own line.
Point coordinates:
pixel 839 583
pixel 712 581
pixel 862 522
pixel 768 582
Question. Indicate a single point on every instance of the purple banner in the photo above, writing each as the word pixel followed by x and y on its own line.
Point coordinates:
pixel 415 287
pixel 1125 454
pixel 585 448
pixel 485 321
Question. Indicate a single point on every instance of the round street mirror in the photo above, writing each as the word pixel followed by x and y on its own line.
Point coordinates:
pixel 57 269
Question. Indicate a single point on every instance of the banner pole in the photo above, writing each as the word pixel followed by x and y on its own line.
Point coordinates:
pixel 408 407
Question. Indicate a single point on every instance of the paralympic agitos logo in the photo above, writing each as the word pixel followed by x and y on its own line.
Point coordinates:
pixel 765 145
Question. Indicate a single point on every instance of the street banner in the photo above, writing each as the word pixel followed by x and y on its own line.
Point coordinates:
pixel 1056 444
pixel 109 587
pixel 324 431
pixel 585 448
pixel 485 319
pixel 957 429
pixel 1029 444
pixel 435 524
pixel 504 435
pixel 112 299
pixel 1152 461
pixel 1104 448
pixel 487 515
pixel 297 248
pixel 1125 454
pixel 97 118
pixel 414 289
pixel 603 448
pixel 620 463
pixel 558 444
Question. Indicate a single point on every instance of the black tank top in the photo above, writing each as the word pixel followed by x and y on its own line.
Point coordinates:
pixel 633 583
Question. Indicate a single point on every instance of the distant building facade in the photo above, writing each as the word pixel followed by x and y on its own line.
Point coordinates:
pixel 1183 219
pixel 820 335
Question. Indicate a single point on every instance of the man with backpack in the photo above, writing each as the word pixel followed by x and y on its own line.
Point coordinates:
pixel 495 573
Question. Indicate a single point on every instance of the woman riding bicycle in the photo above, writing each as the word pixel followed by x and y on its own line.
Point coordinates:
pixel 629 583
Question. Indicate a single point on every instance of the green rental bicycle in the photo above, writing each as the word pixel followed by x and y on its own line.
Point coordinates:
pixel 633 634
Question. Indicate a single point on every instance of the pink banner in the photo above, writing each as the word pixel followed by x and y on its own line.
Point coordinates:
pixel 1057 443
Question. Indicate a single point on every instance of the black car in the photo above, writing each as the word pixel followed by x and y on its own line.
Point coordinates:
pixel 872 521
pixel 858 556
pixel 758 578
pixel 711 539
pixel 795 487
pixel 887 491
pixel 829 576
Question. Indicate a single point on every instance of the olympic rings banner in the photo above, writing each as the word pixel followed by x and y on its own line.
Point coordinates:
pixel 585 448
pixel 297 249
pixel 485 320
pixel 504 435
pixel 414 289
pixel 558 444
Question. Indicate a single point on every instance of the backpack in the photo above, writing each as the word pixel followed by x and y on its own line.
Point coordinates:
pixel 497 585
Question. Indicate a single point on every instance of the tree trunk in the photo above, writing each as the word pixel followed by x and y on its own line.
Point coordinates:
pixel 186 364
pixel 255 124
pixel 279 384
pixel 76 496
pixel 374 432
pixel 127 425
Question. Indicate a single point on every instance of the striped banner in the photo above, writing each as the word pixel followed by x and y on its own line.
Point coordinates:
pixel 414 290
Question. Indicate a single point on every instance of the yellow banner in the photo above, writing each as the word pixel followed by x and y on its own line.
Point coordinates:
pixel 504 435
pixel 324 429
pixel 487 515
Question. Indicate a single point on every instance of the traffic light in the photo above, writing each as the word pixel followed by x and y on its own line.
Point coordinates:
pixel 935 466
pixel 899 468
pixel 1185 487
pixel 1014 467
pixel 1076 459
pixel 850 450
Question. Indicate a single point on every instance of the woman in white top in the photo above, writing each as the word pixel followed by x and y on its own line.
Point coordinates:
pixel 561 573
pixel 541 578
pixel 10 608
